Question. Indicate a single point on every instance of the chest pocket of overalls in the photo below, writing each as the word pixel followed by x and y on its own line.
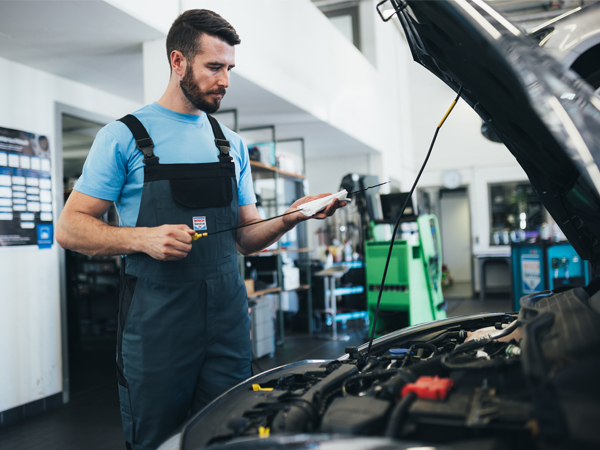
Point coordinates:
pixel 205 192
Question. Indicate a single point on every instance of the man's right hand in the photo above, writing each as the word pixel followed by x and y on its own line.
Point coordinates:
pixel 168 242
pixel 79 228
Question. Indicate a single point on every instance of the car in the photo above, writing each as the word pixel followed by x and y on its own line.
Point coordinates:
pixel 515 380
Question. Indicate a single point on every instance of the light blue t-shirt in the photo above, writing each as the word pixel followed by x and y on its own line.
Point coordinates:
pixel 114 168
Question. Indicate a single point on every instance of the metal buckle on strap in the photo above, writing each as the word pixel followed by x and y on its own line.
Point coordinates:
pixel 151 160
pixel 144 143
pixel 146 146
pixel 223 145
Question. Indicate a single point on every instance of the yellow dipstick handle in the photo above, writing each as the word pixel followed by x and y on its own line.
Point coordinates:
pixel 263 432
pixel 447 114
pixel 197 236
pixel 256 387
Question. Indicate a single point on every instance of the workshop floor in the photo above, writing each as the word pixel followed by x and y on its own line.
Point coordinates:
pixel 91 420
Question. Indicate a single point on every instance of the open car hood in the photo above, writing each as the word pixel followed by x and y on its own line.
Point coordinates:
pixel 547 117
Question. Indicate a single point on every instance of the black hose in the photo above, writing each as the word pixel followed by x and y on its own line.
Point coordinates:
pixel 448 335
pixel 426 345
pixel 394 425
pixel 429 367
pixel 391 388
pixel 471 345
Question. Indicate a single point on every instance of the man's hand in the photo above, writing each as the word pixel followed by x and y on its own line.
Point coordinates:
pixel 79 228
pixel 291 220
pixel 257 237
pixel 168 242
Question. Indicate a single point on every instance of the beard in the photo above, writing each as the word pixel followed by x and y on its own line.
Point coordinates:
pixel 198 98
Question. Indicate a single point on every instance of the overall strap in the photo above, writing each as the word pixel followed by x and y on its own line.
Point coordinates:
pixel 142 139
pixel 220 141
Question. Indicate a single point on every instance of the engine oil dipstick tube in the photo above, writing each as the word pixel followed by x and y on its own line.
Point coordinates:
pixel 397 224
pixel 197 236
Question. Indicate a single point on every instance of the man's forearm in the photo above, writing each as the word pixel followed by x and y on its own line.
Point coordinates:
pixel 254 238
pixel 86 234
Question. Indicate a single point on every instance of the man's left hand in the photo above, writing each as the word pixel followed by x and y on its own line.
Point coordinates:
pixel 291 220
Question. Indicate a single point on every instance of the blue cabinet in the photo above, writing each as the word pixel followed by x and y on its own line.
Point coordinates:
pixel 542 266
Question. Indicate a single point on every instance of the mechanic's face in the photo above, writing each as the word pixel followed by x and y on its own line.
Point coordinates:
pixel 207 76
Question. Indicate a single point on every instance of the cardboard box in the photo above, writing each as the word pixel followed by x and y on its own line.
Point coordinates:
pixel 291 277
pixel 249 286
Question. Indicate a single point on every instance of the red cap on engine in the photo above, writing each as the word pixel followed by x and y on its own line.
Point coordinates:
pixel 432 388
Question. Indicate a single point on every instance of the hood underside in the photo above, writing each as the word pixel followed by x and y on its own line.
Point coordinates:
pixel 546 116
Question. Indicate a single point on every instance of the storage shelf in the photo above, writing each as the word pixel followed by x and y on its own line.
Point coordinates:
pixel 304 287
pixel 293 184
pixel 264 292
pixel 264 253
pixel 278 252
pixel 265 167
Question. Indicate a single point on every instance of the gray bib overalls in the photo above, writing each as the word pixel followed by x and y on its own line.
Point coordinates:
pixel 183 326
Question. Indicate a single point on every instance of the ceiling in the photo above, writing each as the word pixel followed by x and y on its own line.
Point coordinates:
pixel 87 41
pixel 92 42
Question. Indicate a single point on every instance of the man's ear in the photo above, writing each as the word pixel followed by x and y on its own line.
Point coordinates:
pixel 178 63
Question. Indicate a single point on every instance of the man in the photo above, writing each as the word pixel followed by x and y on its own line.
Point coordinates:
pixel 183 334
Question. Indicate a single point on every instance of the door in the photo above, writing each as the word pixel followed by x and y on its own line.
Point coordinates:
pixel 75 132
pixel 456 234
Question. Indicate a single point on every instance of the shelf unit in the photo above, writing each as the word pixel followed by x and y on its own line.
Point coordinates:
pixel 261 166
pixel 294 182
pixel 292 185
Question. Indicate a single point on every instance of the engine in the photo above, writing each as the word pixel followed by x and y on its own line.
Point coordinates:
pixel 433 388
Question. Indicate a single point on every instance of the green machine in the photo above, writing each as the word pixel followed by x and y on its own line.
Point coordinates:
pixel 412 292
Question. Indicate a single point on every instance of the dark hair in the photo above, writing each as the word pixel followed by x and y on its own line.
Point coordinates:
pixel 185 32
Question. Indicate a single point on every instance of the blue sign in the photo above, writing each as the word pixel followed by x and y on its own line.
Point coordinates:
pixel 531 273
pixel 45 236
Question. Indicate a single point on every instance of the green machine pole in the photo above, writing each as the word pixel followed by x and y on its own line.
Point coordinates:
pixel 412 291
pixel 432 263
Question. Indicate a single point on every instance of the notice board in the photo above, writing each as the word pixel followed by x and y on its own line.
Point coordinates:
pixel 25 189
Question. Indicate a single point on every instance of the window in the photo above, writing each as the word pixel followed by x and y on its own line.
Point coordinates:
pixel 344 15
pixel 516 213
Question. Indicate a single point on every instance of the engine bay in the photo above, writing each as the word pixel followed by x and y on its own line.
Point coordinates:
pixel 434 386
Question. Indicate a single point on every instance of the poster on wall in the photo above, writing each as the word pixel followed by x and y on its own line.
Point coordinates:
pixel 25 189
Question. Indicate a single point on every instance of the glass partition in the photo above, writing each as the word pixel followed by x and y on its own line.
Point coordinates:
pixel 516 213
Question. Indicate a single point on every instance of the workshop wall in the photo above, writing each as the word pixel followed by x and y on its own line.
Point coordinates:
pixel 30 304
pixel 364 94
pixel 319 71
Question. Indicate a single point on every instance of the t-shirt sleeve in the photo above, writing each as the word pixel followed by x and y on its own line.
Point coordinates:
pixel 104 171
pixel 245 187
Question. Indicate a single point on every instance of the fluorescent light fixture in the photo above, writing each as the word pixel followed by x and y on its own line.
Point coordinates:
pixel 499 17
pixel 550 22
pixel 479 19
